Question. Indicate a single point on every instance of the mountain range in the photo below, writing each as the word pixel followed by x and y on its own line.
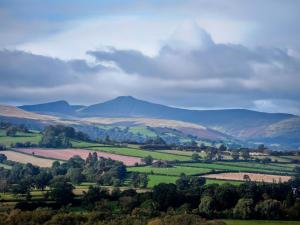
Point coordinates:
pixel 277 129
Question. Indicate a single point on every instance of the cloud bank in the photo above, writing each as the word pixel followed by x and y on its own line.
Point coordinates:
pixel 189 70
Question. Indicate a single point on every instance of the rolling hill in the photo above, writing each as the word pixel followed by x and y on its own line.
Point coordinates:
pixel 243 124
pixel 240 123
pixel 120 129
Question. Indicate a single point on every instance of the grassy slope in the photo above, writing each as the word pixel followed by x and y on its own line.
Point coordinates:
pixel 142 130
pixel 157 179
pixel 184 153
pixel 141 153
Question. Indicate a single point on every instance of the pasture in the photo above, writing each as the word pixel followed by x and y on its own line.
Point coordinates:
pixel 5 166
pixel 141 153
pixel 178 152
pixel 20 137
pixel 279 168
pixel 245 167
pixel 157 179
pixel 175 171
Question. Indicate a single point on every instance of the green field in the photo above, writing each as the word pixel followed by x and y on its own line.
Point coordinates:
pixel 244 167
pixel 84 144
pixel 184 153
pixel 143 131
pixel 5 166
pixel 175 171
pixel 261 167
pixel 157 179
pixel 275 158
pixel 20 137
pixel 141 153
pixel 260 222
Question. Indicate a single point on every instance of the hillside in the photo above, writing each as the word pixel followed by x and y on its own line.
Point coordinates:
pixel 239 123
pixel 120 129
pixel 285 131
pixel 61 108
pixel 246 125
pixel 161 126
pixel 11 111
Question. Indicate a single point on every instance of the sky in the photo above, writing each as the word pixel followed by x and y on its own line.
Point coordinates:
pixel 197 54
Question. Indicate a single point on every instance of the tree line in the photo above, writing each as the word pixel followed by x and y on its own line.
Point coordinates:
pixel 188 196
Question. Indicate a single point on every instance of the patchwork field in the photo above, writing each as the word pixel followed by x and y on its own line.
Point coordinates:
pixel 24 158
pixel 253 177
pixel 65 154
pixel 140 153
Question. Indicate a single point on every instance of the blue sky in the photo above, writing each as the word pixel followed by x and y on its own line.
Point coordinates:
pixel 192 54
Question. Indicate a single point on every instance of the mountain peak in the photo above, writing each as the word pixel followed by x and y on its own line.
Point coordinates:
pixel 128 97
pixel 60 107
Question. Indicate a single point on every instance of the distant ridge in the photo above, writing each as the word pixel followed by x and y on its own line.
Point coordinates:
pixel 61 107
pixel 242 124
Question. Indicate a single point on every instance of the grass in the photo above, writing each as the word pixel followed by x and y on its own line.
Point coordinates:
pixel 184 153
pixel 173 171
pixel 244 167
pixel 28 158
pixel 84 144
pixel 157 179
pixel 260 222
pixel 5 166
pixel 275 158
pixel 142 130
pixel 2 132
pixel 141 153
pixel 261 167
pixel 20 137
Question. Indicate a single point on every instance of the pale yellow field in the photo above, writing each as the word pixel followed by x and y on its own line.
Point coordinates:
pixel 23 158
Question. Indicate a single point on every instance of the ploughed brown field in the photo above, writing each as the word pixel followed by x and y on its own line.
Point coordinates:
pixel 66 154
pixel 253 177
pixel 22 158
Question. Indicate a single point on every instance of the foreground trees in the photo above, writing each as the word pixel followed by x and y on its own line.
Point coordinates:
pixel 188 196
